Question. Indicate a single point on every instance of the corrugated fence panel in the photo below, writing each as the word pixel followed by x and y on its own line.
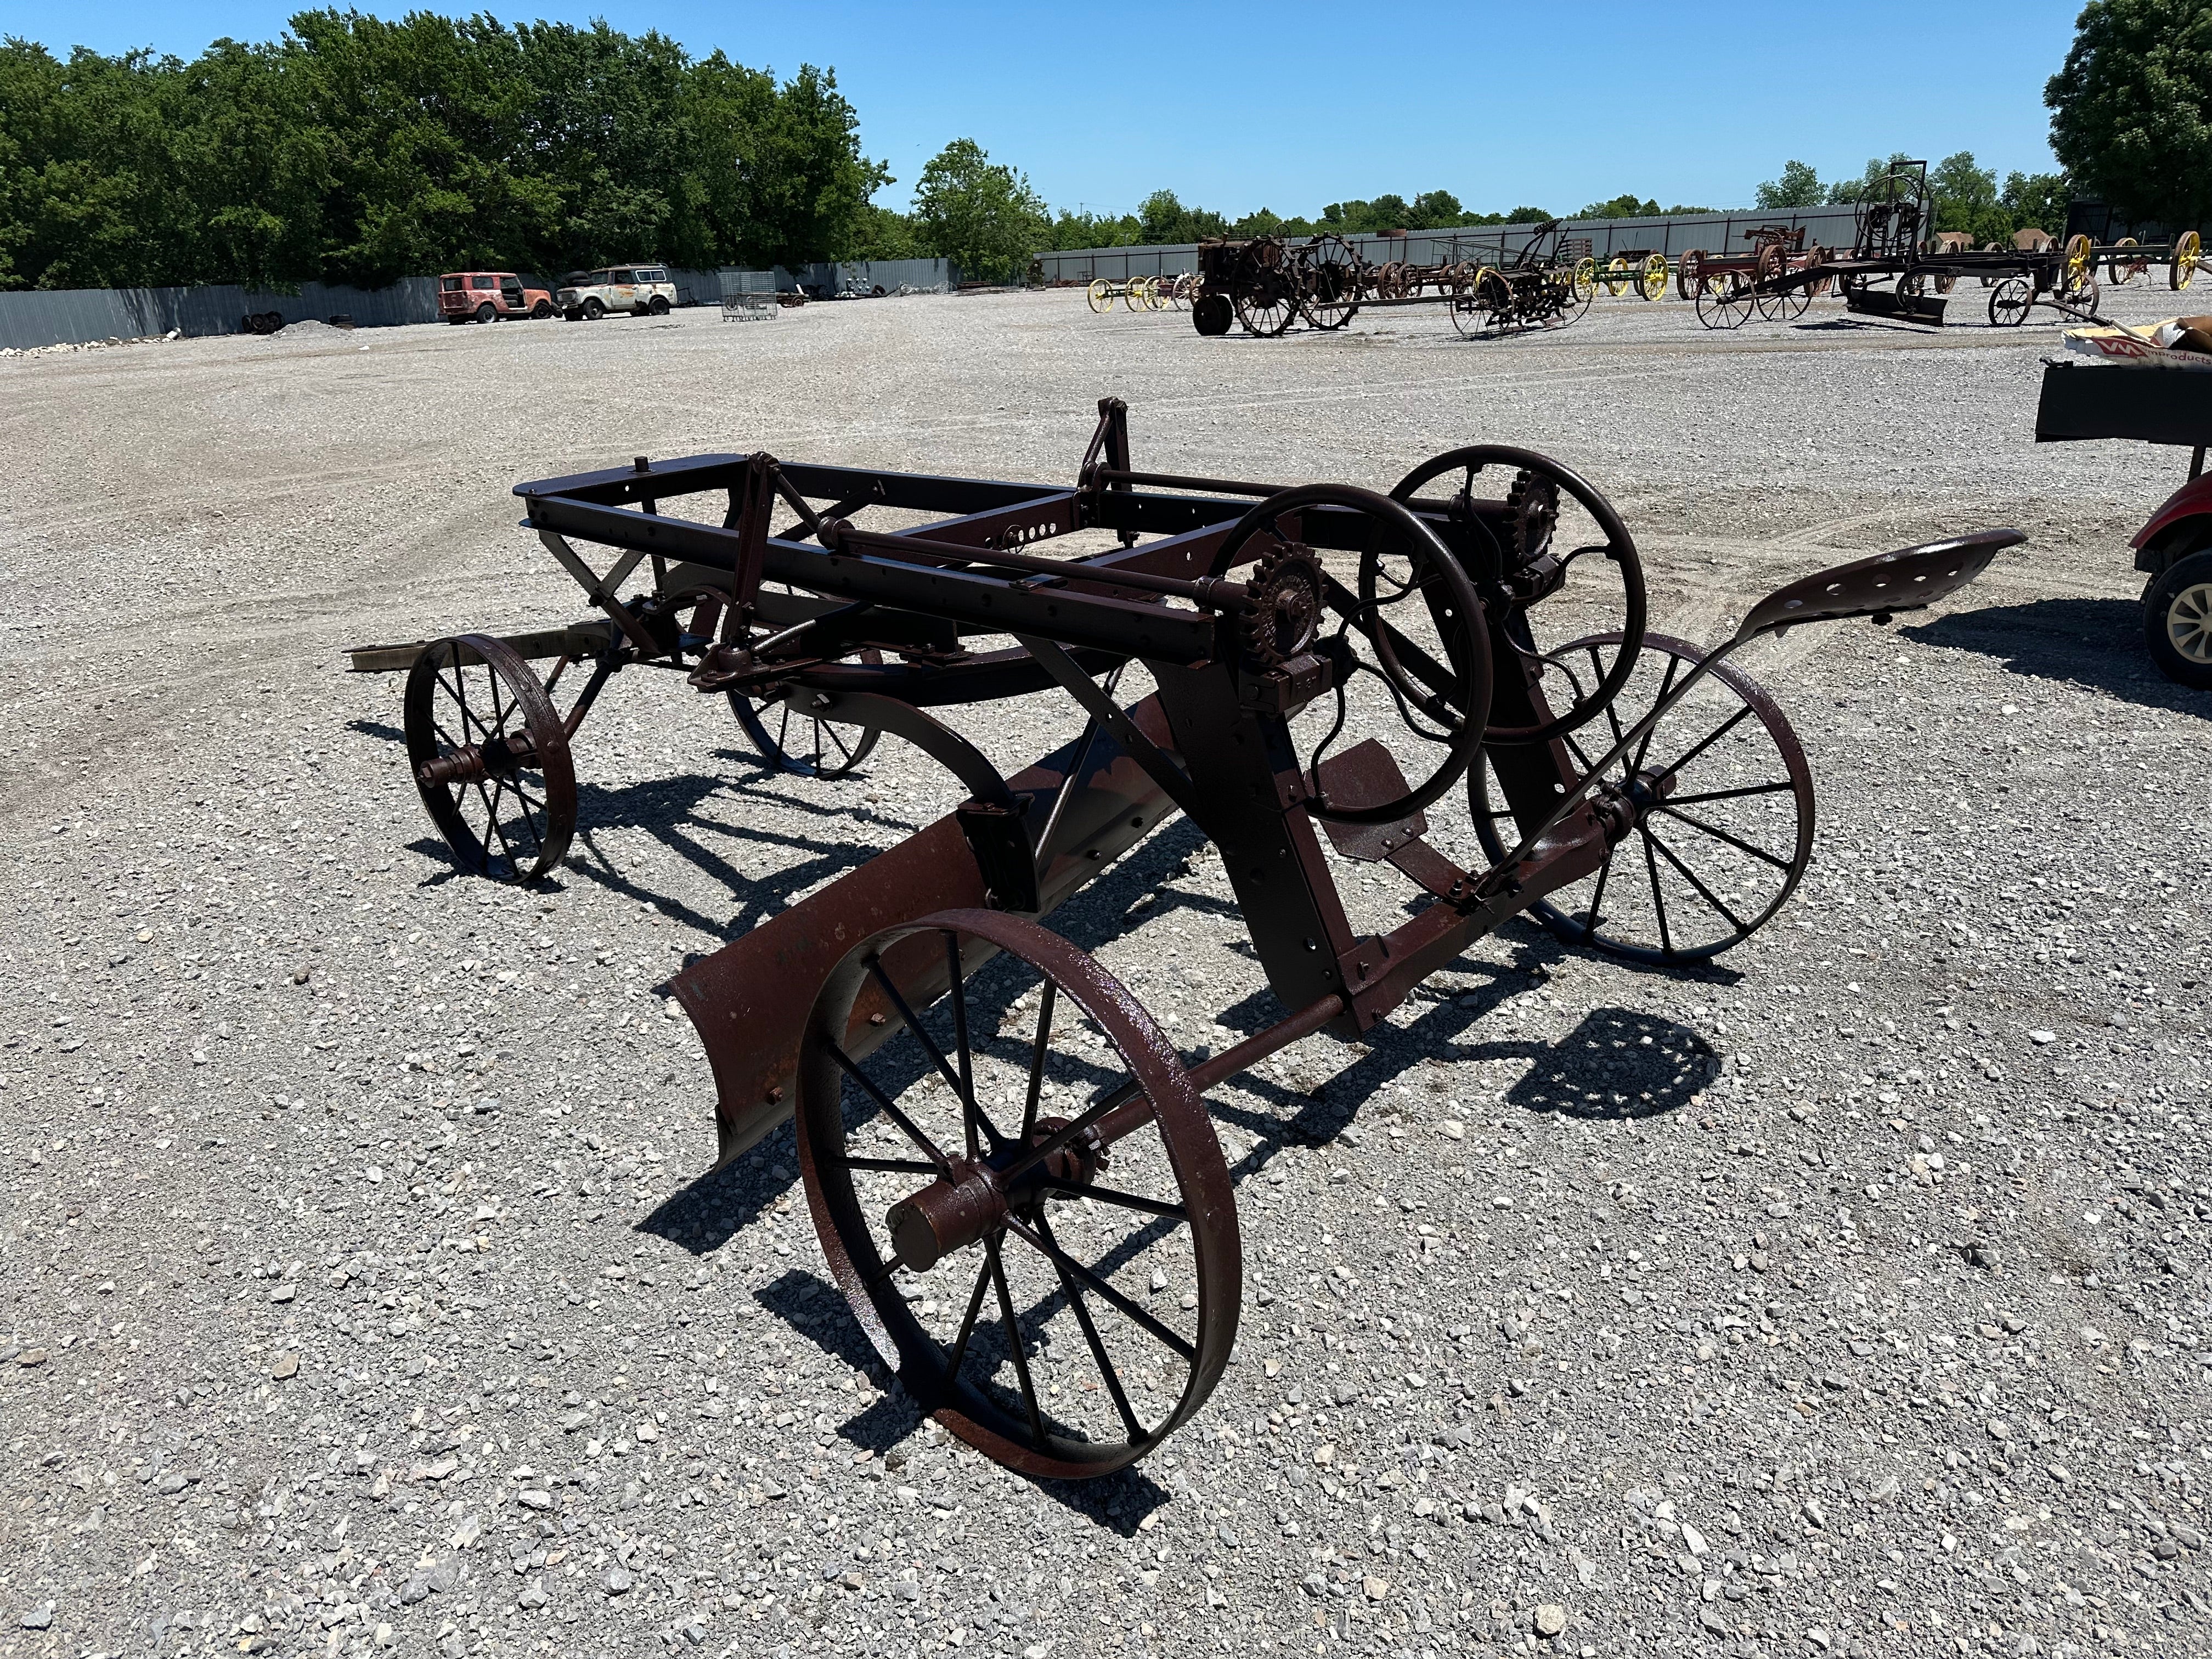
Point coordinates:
pixel 37 317
pixel 1713 233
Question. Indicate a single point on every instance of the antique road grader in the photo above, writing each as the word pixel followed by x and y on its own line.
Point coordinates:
pixel 1009 1163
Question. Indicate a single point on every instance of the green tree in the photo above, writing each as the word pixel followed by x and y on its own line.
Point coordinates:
pixel 2131 109
pixel 1799 187
pixel 1521 215
pixel 980 213
pixel 1630 206
pixel 2037 201
pixel 1966 198
pixel 1163 218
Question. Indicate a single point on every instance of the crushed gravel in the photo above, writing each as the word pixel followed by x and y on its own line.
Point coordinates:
pixel 359 1289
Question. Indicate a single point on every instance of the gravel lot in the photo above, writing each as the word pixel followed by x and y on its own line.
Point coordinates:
pixel 359 1286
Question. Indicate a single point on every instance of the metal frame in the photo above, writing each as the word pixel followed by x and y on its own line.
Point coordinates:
pixel 871 629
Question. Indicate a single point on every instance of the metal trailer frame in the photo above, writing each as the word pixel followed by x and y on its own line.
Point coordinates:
pixel 1221 589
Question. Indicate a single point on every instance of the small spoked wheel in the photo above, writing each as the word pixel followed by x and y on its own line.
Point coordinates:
pixel 2010 301
pixel 1038 1233
pixel 1723 300
pixel 1719 798
pixel 789 739
pixel 490 758
pixel 1101 294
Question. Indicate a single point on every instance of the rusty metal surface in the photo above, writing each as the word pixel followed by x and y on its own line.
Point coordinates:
pixel 749 1000
pixel 986 1206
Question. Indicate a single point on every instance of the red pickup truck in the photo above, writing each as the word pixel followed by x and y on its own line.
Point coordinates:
pixel 486 296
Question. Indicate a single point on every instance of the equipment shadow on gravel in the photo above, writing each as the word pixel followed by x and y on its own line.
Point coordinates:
pixel 813 1308
pixel 2097 643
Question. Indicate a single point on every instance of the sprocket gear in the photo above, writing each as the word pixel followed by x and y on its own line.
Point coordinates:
pixel 1284 615
pixel 1532 509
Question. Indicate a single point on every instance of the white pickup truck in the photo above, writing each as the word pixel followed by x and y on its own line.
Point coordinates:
pixel 641 290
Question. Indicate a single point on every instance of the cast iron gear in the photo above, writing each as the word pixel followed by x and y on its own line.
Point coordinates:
pixel 1285 616
pixel 1532 509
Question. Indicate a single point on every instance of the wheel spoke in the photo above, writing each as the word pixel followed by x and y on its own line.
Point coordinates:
pixel 1037 1058
pixel 889 1108
pixel 1703 743
pixel 973 1113
pixel 968 1324
pixel 1730 794
pixel 1062 1138
pixel 1014 1335
pixel 1107 1374
pixel 1666 684
pixel 1597 894
pixel 1719 833
pixel 1142 1317
pixel 1127 1201
pixel 1658 898
pixel 1703 892
pixel 944 1066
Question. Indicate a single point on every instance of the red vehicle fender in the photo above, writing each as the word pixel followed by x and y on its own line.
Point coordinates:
pixel 2193 499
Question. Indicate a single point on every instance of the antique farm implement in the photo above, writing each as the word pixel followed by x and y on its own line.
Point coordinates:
pixel 1900 266
pixel 1269 283
pixel 1009 1162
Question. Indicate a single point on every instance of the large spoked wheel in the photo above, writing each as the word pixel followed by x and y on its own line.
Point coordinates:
pixel 2188 253
pixel 1652 284
pixel 2124 268
pixel 1513 552
pixel 1328 283
pixel 1267 300
pixel 1410 648
pixel 1039 1234
pixel 1722 804
pixel 1479 302
pixel 1723 300
pixel 490 758
pixel 2010 301
pixel 1689 274
pixel 1100 295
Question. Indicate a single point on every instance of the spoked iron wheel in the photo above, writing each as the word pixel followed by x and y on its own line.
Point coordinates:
pixel 1000 1214
pixel 1724 301
pixel 1722 803
pixel 791 740
pixel 1267 302
pixel 1328 283
pixel 490 758
pixel 2010 301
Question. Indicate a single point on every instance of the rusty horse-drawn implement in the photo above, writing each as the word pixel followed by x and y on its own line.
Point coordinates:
pixel 1009 1162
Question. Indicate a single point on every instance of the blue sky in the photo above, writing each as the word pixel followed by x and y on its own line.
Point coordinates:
pixel 1292 105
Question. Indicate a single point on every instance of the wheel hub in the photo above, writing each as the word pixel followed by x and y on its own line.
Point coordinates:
pixel 501 758
pixel 957 1210
pixel 1621 806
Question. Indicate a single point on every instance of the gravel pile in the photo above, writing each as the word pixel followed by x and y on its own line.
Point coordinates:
pixel 359 1289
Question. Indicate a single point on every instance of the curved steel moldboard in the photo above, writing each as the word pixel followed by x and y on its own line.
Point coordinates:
pixel 750 1000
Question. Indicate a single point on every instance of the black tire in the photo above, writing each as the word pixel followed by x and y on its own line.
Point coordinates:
pixel 593 310
pixel 659 306
pixel 541 311
pixel 486 312
pixel 2178 620
pixel 1211 315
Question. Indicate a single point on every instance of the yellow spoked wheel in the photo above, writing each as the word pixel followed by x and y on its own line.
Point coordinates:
pixel 1616 278
pixel 1652 285
pixel 2079 262
pixel 2126 267
pixel 1156 293
pixel 1133 296
pixel 1583 280
pixel 2187 252
pixel 1101 295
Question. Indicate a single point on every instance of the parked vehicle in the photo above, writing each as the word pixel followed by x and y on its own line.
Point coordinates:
pixel 486 296
pixel 643 290
pixel 2155 404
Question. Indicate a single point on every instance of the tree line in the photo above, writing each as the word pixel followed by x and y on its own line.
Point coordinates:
pixel 360 149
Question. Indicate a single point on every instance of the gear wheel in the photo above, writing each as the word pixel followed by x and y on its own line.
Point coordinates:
pixel 1532 508
pixel 1284 616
